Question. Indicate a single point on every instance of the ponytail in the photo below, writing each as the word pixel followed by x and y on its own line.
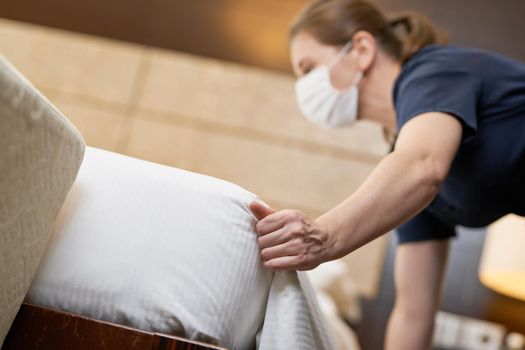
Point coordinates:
pixel 417 32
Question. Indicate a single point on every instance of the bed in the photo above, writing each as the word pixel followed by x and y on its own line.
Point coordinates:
pixel 130 251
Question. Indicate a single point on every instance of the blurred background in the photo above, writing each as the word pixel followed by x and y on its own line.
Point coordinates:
pixel 205 85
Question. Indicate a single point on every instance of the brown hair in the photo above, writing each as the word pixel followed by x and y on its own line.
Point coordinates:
pixel 334 22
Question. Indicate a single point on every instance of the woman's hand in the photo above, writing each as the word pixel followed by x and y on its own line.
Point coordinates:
pixel 289 240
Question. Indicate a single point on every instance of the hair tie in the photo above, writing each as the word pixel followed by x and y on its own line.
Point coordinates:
pixel 403 20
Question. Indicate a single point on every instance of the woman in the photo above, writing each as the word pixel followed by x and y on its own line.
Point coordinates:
pixel 459 158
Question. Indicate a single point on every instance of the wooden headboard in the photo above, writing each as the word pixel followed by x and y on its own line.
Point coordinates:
pixel 40 328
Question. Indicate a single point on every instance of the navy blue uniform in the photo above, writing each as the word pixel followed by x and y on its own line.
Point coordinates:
pixel 486 93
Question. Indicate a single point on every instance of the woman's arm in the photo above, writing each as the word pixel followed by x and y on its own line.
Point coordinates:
pixel 403 184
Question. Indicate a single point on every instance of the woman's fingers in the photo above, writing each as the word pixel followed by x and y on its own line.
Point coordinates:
pixel 296 262
pixel 269 219
pixel 288 248
pixel 259 210
pixel 275 221
pixel 280 236
pixel 289 240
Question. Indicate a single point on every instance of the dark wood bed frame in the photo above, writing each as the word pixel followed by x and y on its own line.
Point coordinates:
pixel 40 328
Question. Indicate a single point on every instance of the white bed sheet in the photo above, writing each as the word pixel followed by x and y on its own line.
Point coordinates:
pixel 167 250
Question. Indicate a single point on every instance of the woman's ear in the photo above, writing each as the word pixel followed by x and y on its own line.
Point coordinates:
pixel 364 50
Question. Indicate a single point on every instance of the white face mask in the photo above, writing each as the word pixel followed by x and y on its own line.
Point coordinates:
pixel 322 103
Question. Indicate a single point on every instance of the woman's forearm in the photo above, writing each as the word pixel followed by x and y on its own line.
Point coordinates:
pixel 398 188
pixel 401 185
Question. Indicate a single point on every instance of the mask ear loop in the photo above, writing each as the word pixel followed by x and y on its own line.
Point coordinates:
pixel 340 55
pixel 357 78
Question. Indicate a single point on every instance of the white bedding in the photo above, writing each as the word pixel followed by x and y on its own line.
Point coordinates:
pixel 167 250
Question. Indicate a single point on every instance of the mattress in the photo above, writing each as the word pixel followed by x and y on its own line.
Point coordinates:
pixel 40 154
pixel 167 250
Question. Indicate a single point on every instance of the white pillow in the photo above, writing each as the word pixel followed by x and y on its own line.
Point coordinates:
pixel 156 248
pixel 40 153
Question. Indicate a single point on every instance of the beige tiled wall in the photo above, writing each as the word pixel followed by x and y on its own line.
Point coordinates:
pixel 226 120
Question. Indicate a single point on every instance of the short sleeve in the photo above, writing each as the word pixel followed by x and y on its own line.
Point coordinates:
pixel 430 87
pixel 424 227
